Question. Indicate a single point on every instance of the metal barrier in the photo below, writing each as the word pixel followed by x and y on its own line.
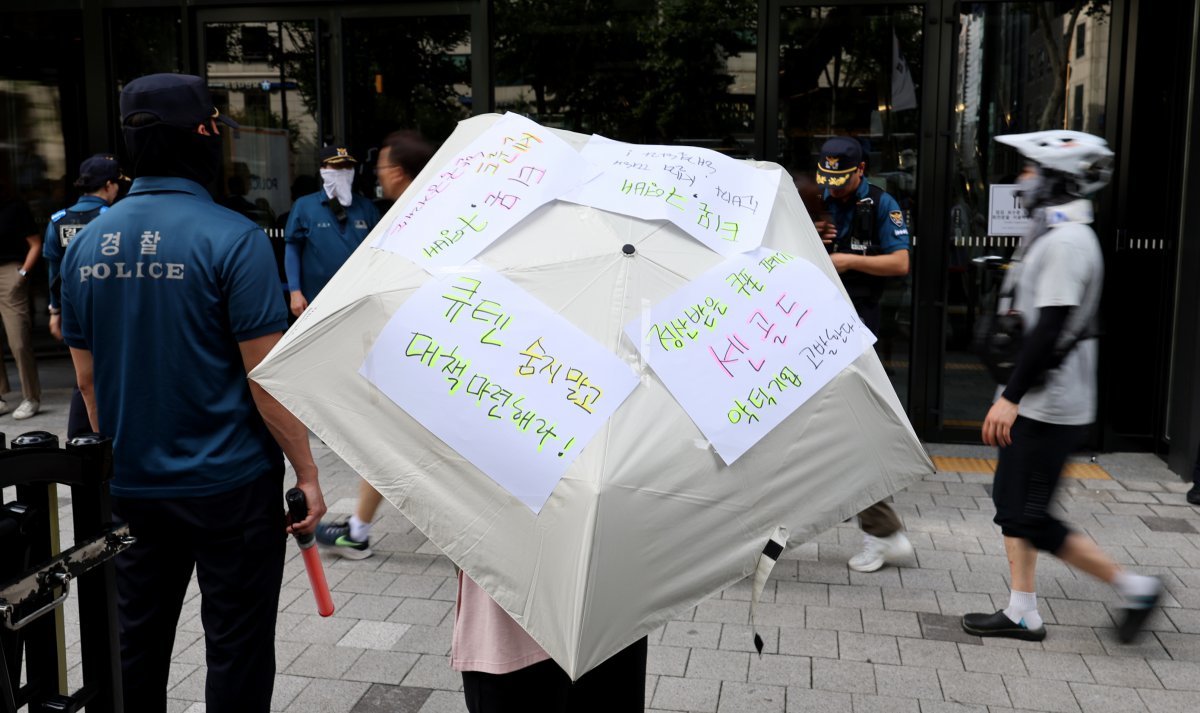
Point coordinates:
pixel 36 577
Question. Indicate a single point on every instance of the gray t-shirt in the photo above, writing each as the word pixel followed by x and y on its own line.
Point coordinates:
pixel 1063 267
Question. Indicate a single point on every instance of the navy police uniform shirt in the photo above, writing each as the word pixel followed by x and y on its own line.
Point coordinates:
pixel 325 243
pixel 161 289
pixel 64 226
pixel 891 235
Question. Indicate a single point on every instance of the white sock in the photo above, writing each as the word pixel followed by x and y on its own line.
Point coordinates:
pixel 1022 608
pixel 359 530
pixel 1135 585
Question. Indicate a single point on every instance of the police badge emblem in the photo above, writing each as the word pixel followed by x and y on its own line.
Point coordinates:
pixel 897 218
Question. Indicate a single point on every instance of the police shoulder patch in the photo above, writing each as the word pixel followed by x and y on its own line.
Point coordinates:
pixel 57 216
pixel 897 218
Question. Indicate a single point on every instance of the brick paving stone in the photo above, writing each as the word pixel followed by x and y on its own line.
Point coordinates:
pixel 704 635
pixel 381 698
pixel 1146 646
pixel 943 707
pixel 855 596
pixel 324 661
pixel 790 671
pixel 926 579
pixel 686 694
pixel 884 704
pixel 823 572
pixel 425 640
pixel 366 582
pixel 991 659
pixel 667 660
pixel 1171 701
pixel 1168 524
pixel 974 688
pixel 930 654
pixel 979 582
pixel 800 700
pixel 286 689
pixel 1106 699
pixel 431 671
pixel 808 642
pixel 718 665
pixel 1072 639
pixel 407 563
pixel 833 618
pixel 940 627
pixel 871 648
pixel 444 702
pixel 942 559
pixel 369 606
pixel 1089 589
pixel 330 696
pixel 913 600
pixel 774 614
pixel 413 585
pixel 313 629
pixel 1121 671
pixel 886 577
pixel 1057 666
pixel 845 676
pixel 385 667
pixel 1079 612
pixel 378 635
pixel 890 623
pixel 1159 619
pixel 1157 556
pixel 738 637
pixel 956 604
pixel 1041 694
pixel 802 593
pixel 723 610
pixel 908 682
pixel 1177 675
pixel 751 698
pixel 426 612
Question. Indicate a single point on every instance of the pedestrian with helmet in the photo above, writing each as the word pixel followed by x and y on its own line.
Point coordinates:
pixel 1050 300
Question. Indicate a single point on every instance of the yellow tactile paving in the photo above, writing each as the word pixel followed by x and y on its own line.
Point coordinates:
pixel 1085 471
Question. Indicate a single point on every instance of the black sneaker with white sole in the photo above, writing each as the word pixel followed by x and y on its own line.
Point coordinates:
pixel 1135 612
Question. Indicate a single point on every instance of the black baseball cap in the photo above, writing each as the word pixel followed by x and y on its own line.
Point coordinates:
pixel 94 172
pixel 336 154
pixel 839 159
pixel 176 99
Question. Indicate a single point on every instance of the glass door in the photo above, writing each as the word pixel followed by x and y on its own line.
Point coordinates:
pixel 1018 67
pixel 856 70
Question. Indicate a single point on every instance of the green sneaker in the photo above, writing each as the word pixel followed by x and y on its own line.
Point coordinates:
pixel 336 537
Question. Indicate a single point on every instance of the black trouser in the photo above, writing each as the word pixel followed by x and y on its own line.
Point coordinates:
pixel 77 416
pixel 1026 476
pixel 236 542
pixel 616 686
pixel 1196 472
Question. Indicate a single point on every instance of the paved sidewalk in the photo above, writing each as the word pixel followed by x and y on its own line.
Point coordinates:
pixel 836 641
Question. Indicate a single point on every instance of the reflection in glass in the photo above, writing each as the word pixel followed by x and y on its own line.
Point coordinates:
pixel 663 71
pixel 405 73
pixel 856 71
pixel 265 75
pixel 1019 67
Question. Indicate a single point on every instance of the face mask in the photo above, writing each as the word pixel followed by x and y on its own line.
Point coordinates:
pixel 338 182
pixel 1029 190
pixel 162 150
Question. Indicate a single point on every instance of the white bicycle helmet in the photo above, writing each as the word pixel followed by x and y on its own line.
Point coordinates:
pixel 1084 158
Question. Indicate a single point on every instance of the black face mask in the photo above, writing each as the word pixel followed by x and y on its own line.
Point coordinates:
pixel 162 150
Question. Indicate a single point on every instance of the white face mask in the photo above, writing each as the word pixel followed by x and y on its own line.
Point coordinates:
pixel 338 182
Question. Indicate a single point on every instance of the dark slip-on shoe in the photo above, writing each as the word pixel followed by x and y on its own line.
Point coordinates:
pixel 1000 625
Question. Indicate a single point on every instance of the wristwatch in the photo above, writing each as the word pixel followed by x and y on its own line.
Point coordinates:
pixel 55 310
pixel 21 271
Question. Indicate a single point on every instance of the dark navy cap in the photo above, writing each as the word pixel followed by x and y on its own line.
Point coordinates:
pixel 336 153
pixel 94 172
pixel 177 99
pixel 839 159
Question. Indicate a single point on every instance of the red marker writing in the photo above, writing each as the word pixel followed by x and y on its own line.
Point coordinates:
pixel 298 509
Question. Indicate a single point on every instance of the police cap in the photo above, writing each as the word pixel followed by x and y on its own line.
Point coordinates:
pixel 94 172
pixel 839 159
pixel 177 99
pixel 336 155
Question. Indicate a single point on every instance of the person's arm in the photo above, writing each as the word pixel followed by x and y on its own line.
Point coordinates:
pixel 35 250
pixel 82 358
pixel 891 265
pixel 289 433
pixel 291 266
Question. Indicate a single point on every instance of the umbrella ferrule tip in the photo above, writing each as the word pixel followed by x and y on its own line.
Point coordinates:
pixel 629 250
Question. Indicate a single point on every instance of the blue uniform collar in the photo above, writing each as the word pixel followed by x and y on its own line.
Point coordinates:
pixel 864 188
pixel 86 203
pixel 168 184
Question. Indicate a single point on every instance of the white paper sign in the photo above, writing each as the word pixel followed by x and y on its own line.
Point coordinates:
pixel 1006 213
pixel 722 202
pixel 744 345
pixel 502 379
pixel 504 175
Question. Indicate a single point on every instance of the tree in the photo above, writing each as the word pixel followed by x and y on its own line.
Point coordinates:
pixel 1058 49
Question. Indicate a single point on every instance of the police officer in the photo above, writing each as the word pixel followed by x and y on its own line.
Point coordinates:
pixel 101 180
pixel 325 227
pixel 168 301
pixel 868 243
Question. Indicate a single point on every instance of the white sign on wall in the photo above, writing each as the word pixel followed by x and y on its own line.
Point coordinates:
pixel 1006 214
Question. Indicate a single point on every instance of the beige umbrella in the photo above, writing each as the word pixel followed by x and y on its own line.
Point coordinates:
pixel 648 520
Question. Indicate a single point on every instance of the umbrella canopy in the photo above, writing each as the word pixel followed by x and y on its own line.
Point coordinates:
pixel 648 520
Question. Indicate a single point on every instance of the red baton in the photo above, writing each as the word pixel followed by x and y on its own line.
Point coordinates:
pixel 298 509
